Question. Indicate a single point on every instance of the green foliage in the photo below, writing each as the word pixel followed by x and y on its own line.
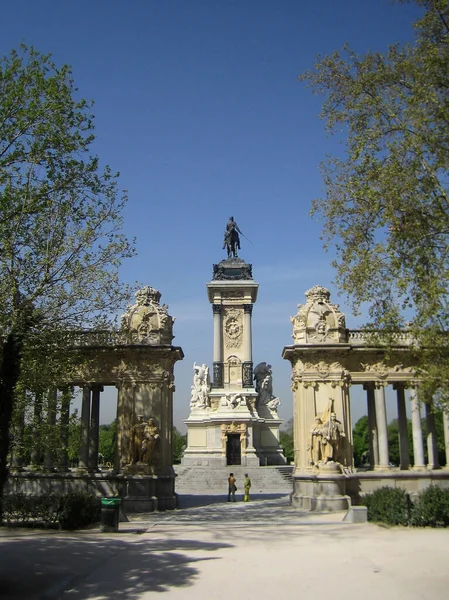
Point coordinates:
pixel 286 441
pixel 74 438
pixel 61 241
pixel 394 442
pixel 107 442
pixel 386 207
pixel 388 505
pixel 361 441
pixel 78 510
pixel 394 507
pixel 71 511
pixel 179 445
pixel 431 508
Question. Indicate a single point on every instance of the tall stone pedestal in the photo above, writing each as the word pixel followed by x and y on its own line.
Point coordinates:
pixel 226 425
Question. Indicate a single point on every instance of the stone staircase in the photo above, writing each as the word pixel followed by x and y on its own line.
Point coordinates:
pixel 214 480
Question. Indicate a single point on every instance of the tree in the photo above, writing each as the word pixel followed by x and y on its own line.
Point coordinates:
pixel 106 442
pixel 386 206
pixel 179 445
pixel 61 241
pixel 361 441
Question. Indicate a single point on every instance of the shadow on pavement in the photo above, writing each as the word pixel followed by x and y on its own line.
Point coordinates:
pixel 32 568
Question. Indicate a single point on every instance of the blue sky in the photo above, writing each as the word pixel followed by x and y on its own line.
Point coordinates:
pixel 198 106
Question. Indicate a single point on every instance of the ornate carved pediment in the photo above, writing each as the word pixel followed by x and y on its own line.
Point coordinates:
pixel 318 321
pixel 233 427
pixel 323 368
pixel 148 321
pixel 379 369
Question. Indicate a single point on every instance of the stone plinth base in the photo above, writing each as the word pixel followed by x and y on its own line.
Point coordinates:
pixel 356 514
pixel 320 491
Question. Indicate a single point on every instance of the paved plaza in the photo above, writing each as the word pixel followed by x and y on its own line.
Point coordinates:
pixel 215 549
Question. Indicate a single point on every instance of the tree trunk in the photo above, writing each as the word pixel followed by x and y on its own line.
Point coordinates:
pixel 9 375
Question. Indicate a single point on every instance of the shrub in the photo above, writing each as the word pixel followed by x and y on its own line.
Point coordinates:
pixel 78 510
pixel 431 508
pixel 71 511
pixel 388 505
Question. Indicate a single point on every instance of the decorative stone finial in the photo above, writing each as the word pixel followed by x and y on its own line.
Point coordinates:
pixel 319 321
pixel 318 294
pixel 147 320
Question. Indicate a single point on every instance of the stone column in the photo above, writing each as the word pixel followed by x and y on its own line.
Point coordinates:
pixel 418 445
pixel 382 426
pixel 85 418
pixel 446 435
pixel 372 426
pixel 52 402
pixel 404 450
pixel 36 457
pixel 126 401
pixel 432 449
pixel 94 427
pixel 63 458
pixel 218 346
pixel 17 443
pixel 248 346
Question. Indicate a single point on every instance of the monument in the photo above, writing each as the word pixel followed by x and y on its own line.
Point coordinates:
pixel 328 362
pixel 233 418
pixel 138 360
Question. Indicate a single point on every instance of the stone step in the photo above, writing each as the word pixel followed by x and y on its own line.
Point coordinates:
pixel 214 479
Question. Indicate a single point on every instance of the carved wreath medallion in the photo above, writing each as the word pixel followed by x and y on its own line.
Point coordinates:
pixel 233 328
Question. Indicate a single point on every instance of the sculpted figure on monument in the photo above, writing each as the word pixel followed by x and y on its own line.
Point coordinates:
pixel 135 441
pixel 199 397
pixel 234 400
pixel 316 441
pixel 150 443
pixel 264 386
pixel 232 238
pixel 333 438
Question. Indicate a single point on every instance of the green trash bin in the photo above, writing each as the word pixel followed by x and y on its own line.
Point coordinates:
pixel 110 514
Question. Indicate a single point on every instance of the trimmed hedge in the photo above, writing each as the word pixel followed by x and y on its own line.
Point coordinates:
pixel 431 508
pixel 394 506
pixel 71 511
pixel 388 505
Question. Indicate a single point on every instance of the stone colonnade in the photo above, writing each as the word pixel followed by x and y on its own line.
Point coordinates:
pixel 377 423
pixel 139 361
pixel 328 360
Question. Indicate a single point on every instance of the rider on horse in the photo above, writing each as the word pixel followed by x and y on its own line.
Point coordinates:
pixel 231 237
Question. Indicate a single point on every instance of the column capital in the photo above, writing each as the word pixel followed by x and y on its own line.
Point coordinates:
pixel 399 385
pixel 368 385
pixel 248 308
pixel 216 309
pixel 380 385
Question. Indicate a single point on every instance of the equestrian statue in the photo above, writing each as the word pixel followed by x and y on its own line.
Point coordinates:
pixel 231 238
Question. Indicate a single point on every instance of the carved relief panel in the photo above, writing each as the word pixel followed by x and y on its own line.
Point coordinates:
pixel 233 327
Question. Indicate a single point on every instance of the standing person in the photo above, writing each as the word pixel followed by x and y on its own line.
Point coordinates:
pixel 246 485
pixel 231 487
